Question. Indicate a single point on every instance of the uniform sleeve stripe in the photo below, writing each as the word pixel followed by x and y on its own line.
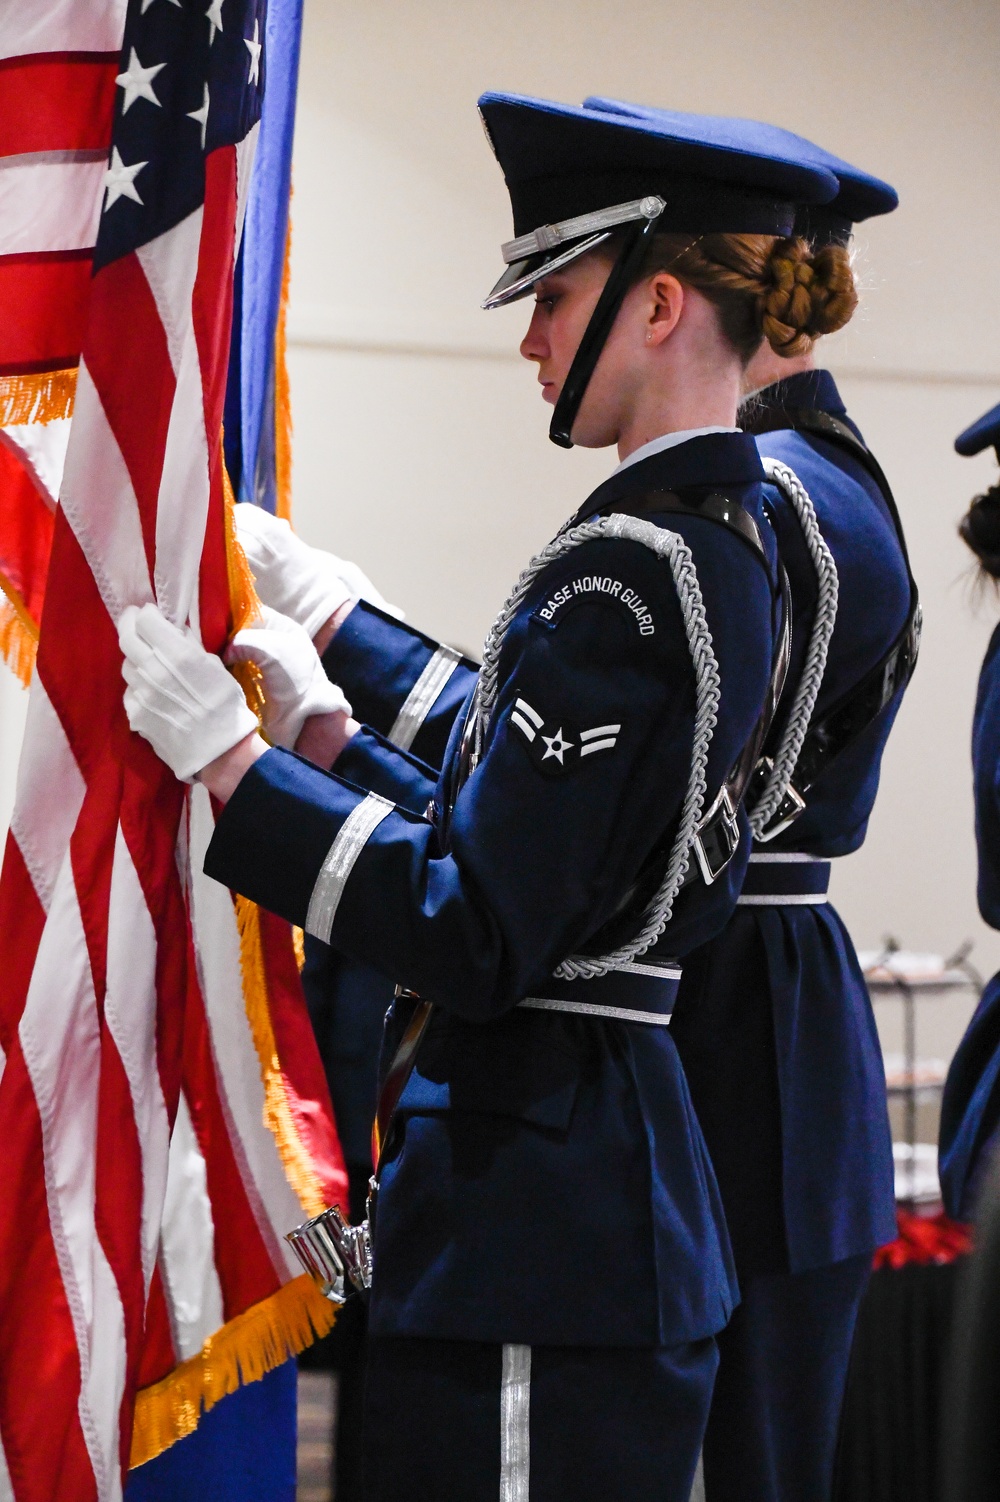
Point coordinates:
pixel 355 832
pixel 423 694
pixel 588 735
pixel 522 724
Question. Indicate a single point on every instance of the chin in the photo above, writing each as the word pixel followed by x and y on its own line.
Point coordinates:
pixel 589 436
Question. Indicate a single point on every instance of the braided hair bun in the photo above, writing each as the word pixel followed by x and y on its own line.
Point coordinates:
pixel 806 294
pixel 979 529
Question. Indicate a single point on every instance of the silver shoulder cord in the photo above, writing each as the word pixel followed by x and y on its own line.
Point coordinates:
pixel 788 482
pixel 672 547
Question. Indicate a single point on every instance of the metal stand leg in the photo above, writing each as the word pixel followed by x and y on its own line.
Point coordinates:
pixel 910 1098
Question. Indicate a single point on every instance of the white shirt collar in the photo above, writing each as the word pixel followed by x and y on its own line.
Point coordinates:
pixel 668 441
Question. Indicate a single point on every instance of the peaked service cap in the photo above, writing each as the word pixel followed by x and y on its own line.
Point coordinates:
pixel 575 173
pixel 980 435
pixel 859 196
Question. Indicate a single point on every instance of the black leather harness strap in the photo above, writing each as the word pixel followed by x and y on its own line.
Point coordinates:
pixel 711 505
pixel 820 424
pixel 838 727
pixel 399 1071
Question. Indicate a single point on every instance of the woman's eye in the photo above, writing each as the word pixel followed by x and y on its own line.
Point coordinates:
pixel 548 303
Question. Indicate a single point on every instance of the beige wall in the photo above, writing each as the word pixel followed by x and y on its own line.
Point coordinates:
pixel 420 443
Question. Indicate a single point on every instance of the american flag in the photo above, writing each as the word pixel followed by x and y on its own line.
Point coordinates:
pixel 162 1110
pixel 58 64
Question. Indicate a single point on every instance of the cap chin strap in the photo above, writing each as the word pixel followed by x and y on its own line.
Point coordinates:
pixel 596 333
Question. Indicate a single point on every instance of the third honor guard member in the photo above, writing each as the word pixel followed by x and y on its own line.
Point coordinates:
pixel 773 1020
pixel 970 1108
pixel 551 1264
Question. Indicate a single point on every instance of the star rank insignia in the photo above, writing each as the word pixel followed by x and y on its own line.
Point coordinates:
pixel 558 746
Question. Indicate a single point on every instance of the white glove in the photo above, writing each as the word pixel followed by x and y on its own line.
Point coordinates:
pixel 302 582
pixel 295 685
pixel 180 698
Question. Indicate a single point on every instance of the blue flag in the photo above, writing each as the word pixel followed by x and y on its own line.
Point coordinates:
pixel 251 449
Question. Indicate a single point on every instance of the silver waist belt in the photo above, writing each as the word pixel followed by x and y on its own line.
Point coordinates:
pixel 632 992
pixel 785 880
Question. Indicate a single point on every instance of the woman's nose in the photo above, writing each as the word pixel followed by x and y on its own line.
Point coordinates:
pixel 534 345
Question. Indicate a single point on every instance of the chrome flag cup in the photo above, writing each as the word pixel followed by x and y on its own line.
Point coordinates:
pixel 331 1250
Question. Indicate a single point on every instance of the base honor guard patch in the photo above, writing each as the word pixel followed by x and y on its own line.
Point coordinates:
pixel 558 746
pixel 596 587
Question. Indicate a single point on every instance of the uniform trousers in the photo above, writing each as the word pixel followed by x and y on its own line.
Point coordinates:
pixel 775 1416
pixel 467 1421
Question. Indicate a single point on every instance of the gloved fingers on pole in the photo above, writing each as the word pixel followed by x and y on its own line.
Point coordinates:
pixel 305 583
pixel 179 697
pixel 295 685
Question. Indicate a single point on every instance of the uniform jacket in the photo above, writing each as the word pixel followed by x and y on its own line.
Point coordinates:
pixel 549 1182
pixel 773 1021
pixel 970 1110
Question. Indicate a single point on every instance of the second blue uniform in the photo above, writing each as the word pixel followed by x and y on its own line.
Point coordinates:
pixel 775 1027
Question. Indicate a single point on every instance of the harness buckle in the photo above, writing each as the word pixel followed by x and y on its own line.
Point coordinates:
pixel 717 838
pixel 788 810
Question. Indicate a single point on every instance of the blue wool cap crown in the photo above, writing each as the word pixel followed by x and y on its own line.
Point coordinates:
pixel 859 195
pixel 980 435
pixel 568 168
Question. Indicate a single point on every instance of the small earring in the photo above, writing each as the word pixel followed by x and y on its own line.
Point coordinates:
pixel 648 336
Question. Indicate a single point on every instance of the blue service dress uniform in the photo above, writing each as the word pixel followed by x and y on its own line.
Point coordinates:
pixel 775 1028
pixel 550 1250
pixel 970 1109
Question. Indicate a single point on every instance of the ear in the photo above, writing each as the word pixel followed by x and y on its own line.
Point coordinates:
pixel 666 303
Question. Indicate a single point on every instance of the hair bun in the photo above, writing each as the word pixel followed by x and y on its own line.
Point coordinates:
pixel 979 529
pixel 806 294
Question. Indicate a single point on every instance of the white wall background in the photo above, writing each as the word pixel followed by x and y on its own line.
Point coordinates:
pixel 420 437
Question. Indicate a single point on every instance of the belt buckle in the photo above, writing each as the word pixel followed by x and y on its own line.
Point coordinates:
pixel 718 838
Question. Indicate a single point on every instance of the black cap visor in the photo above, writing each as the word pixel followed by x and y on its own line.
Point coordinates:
pixel 519 278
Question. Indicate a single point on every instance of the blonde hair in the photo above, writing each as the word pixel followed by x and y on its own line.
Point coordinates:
pixel 762 286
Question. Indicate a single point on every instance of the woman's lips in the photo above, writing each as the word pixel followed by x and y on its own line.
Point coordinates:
pixel 548 391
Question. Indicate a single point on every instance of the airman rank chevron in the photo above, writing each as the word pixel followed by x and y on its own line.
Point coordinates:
pixel 559 746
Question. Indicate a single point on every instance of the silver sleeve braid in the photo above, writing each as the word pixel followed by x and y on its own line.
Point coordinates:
pixel 672 547
pixel 788 482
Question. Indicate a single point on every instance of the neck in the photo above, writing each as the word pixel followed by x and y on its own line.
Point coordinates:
pixel 766 368
pixel 708 404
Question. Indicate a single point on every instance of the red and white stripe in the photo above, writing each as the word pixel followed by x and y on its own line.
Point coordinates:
pixel 143 1201
pixel 58 63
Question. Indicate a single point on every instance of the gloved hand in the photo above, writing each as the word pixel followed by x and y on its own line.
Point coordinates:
pixel 295 685
pixel 304 583
pixel 179 697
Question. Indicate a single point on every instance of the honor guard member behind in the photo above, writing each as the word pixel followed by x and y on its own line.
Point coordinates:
pixel 550 1257
pixel 773 1020
pixel 970 1108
